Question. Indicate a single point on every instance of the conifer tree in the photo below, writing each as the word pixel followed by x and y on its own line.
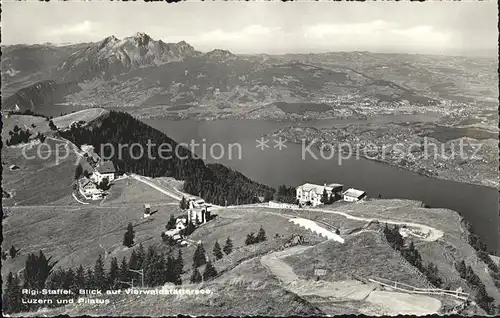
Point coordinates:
pixel 250 239
pixel 461 268
pixel 171 223
pixel 133 262
pixel 89 279
pixel 156 270
pixel 100 279
pixel 179 267
pixel 324 198
pixel 78 171
pixel 12 251
pixel 183 204
pixel 217 251
pixel 170 272
pixel 195 276
pixel 11 298
pixel 209 271
pixel 52 126
pixel 123 271
pixel 149 266
pixel 228 247
pixel 36 271
pixel 128 237
pixel 80 278
pixel 199 256
pixel 141 256
pixel 68 282
pixel 261 236
pixel 114 272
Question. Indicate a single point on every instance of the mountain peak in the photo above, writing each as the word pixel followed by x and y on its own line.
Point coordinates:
pixel 183 45
pixel 142 38
pixel 110 39
pixel 219 54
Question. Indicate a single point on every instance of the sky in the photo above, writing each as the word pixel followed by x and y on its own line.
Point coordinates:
pixel 450 28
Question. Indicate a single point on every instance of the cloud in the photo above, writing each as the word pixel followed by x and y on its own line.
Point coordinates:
pixel 423 34
pixel 345 29
pixel 375 34
pixel 84 28
pixel 248 33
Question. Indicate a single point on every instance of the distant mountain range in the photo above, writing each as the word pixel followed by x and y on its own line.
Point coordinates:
pixel 141 72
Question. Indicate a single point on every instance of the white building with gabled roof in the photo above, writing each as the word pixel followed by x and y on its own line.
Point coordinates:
pixel 353 195
pixel 105 170
pixel 309 192
pixel 89 189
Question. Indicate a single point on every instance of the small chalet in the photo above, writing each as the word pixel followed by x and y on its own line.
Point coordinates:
pixel 105 170
pixel 147 210
pixel 180 224
pixel 198 211
pixel 89 189
pixel 352 195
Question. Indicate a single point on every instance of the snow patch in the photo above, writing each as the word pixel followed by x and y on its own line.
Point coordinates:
pixel 314 227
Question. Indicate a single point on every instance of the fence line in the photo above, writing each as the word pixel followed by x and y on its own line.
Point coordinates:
pixel 416 290
pixel 282 205
pixel 421 277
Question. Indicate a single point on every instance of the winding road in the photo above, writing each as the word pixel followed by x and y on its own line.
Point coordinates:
pixel 433 233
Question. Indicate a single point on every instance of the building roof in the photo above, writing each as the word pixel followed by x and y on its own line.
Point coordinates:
pixel 315 187
pixel 181 220
pixel 84 182
pixel 106 167
pixel 335 185
pixel 171 232
pixel 354 193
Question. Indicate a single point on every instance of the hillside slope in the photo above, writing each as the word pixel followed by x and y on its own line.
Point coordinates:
pixel 214 183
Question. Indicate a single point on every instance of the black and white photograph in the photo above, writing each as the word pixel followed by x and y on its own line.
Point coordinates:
pixel 250 158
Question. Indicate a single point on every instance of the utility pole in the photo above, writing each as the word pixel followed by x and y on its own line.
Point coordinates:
pixel 131 284
pixel 140 271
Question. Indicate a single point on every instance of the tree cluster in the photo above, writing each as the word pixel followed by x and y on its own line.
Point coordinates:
pixel 36 271
pixel 482 298
pixel 481 251
pixel 27 112
pixel 18 136
pixel 214 183
pixel 329 197
pixel 492 267
pixel 209 272
pixel 104 184
pixel 412 255
pixel 252 239
pixel 285 194
pixel 52 126
pixel 158 269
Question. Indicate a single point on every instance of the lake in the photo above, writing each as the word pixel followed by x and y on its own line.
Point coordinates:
pixel 271 166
